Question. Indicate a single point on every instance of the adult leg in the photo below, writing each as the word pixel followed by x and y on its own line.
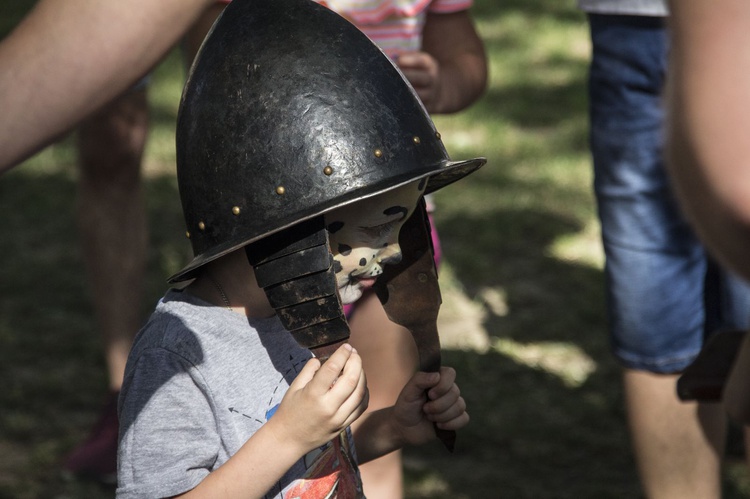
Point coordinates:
pixel 677 445
pixel 657 326
pixel 655 268
pixel 112 224
pixel 389 357
pixel 112 221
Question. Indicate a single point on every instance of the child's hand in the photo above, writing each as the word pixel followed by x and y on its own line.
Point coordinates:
pixel 423 72
pixel 322 401
pixel 426 399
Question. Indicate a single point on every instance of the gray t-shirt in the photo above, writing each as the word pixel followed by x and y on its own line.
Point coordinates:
pixel 200 381
pixel 625 7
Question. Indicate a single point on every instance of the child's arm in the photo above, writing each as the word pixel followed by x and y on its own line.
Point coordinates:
pixel 427 399
pixel 450 72
pixel 320 403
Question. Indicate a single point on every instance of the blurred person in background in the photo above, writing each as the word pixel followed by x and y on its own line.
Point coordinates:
pixel 664 293
pixel 111 216
pixel 708 148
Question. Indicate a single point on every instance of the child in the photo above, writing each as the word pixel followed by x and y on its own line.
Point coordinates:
pixel 294 129
pixel 435 45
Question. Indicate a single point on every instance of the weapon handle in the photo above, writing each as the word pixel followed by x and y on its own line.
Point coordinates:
pixel 410 295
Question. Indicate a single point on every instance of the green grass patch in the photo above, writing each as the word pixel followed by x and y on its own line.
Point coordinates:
pixel 522 272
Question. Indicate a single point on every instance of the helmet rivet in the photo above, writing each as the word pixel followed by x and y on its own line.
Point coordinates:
pixel 437 135
pixel 236 210
pixel 328 170
pixel 201 226
pixel 416 140
pixel 378 153
pixel 422 277
pixel 187 234
pixel 280 190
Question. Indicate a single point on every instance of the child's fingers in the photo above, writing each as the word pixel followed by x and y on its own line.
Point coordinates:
pixel 416 386
pixel 456 423
pixel 417 78
pixel 357 403
pixel 306 374
pixel 444 401
pixel 446 408
pixel 446 383
pixel 349 381
pixel 419 68
pixel 419 60
pixel 331 369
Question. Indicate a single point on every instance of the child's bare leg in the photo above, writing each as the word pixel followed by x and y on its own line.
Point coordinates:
pixel 389 358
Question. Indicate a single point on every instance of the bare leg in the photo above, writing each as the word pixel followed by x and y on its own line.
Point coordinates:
pixel 389 358
pixel 112 222
pixel 736 395
pixel 678 446
pixel 112 225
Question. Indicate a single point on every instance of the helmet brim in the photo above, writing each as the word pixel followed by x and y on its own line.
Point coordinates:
pixel 438 176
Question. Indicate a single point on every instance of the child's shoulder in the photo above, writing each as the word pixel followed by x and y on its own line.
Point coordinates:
pixel 178 323
pixel 189 327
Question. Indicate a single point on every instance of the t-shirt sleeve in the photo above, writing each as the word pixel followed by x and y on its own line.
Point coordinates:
pixel 449 6
pixel 168 438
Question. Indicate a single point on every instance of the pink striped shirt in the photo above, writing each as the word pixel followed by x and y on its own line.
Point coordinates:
pixel 394 25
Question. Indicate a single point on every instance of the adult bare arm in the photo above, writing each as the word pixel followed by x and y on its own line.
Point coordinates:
pixel 709 118
pixel 67 58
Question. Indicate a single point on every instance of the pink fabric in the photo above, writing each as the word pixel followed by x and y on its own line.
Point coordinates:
pixel 394 25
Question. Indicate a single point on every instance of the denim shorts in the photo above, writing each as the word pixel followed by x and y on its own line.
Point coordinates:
pixel 663 293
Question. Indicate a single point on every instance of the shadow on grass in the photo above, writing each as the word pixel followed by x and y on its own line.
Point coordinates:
pixel 533 433
pixel 54 379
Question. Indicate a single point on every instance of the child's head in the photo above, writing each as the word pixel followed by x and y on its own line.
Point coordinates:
pixel 293 124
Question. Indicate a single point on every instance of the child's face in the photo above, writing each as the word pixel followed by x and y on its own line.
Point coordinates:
pixel 364 237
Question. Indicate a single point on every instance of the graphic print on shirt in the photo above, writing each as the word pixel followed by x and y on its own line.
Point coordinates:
pixel 331 473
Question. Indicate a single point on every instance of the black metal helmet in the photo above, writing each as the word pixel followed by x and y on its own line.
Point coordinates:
pixel 290 111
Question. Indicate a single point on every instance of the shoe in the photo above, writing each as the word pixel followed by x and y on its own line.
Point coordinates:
pixel 96 458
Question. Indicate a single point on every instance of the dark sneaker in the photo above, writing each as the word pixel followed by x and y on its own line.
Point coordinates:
pixel 96 458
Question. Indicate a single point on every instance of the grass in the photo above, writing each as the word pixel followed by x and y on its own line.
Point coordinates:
pixel 523 286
